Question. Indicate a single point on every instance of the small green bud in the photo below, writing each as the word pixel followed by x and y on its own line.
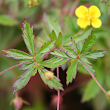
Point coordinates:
pixel 49 75
pixel 108 96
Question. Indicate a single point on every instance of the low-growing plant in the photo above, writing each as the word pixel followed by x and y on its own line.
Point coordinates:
pixel 71 52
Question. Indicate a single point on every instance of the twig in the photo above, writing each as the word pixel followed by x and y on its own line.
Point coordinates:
pixel 73 8
pixel 94 78
pixel 14 67
pixel 58 103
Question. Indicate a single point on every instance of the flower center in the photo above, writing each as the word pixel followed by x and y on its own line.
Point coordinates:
pixel 88 16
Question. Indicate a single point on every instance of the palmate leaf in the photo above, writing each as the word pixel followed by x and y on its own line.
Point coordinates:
pixel 71 72
pixel 94 54
pixel 28 37
pixel 89 42
pixel 23 79
pixel 60 53
pixel 54 62
pixel 17 54
pixel 53 83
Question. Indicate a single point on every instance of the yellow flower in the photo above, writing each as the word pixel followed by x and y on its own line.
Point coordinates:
pixel 88 16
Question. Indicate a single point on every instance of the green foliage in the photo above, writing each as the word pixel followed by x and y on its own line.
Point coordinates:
pixel 60 53
pixel 52 25
pixel 88 66
pixel 23 80
pixel 53 83
pixel 95 54
pixel 88 43
pixel 62 47
pixel 46 47
pixel 53 35
pixel 17 54
pixel 7 20
pixel 71 73
pixel 59 40
pixel 92 86
pixel 27 66
pixel 28 37
pixel 54 62
pixel 75 47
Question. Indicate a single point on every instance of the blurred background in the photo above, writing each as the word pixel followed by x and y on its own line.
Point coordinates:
pixel 83 93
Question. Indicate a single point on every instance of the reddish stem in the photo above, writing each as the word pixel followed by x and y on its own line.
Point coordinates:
pixel 14 67
pixel 94 78
pixel 58 103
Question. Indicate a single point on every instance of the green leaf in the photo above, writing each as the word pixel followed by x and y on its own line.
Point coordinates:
pixel 108 3
pixel 39 41
pixel 38 59
pixel 23 80
pixel 46 47
pixel 59 40
pixel 60 53
pixel 54 62
pixel 107 80
pixel 53 25
pixel 17 54
pixel 34 72
pixel 46 28
pixel 89 42
pixel 53 83
pixel 88 66
pixel 92 89
pixel 71 72
pixel 95 54
pixel 28 37
pixel 6 20
pixel 53 35
pixel 27 66
pixel 75 47
pixel 83 34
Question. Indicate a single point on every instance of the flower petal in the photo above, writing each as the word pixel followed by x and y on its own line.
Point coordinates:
pixel 94 11
pixel 81 11
pixel 96 23
pixel 83 23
